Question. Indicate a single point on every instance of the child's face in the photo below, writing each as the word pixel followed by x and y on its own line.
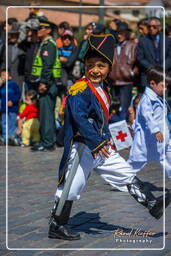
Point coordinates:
pixel 66 41
pixel 28 100
pixel 121 36
pixel 96 70
pixel 158 88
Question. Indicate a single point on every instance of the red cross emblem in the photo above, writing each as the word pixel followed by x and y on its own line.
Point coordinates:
pixel 121 136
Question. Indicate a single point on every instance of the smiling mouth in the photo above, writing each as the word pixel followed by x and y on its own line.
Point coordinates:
pixel 95 77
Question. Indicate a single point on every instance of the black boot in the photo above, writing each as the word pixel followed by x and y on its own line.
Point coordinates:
pixel 143 195
pixel 58 224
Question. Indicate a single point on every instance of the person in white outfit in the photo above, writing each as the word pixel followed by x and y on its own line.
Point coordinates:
pixel 151 129
pixel 86 121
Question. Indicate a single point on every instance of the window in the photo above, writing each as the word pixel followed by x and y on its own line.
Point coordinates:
pixel 117 12
pixel 136 13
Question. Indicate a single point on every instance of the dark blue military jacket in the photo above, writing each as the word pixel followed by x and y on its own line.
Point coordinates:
pixel 84 116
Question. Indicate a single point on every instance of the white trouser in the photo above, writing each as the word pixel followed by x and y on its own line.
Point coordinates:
pixel 137 166
pixel 114 170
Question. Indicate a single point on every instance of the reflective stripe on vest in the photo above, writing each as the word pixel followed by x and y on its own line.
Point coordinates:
pixel 38 65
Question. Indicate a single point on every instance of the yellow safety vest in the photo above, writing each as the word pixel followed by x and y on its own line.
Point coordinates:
pixel 38 65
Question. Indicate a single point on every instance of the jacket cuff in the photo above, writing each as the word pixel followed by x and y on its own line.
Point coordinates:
pixel 155 130
pixel 96 149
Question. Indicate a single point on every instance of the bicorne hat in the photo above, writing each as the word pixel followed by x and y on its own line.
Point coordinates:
pixel 103 45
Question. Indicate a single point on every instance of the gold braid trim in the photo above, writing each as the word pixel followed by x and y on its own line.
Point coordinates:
pixel 104 142
pixel 79 86
pixel 61 180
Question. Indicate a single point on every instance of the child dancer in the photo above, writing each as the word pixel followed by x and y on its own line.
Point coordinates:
pixel 86 121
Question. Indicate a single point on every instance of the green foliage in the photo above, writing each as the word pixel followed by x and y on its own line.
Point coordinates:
pixel 79 34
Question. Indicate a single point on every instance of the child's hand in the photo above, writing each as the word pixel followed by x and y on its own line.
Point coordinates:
pixel 63 59
pixel 10 103
pixel 103 152
pixel 159 136
pixel 131 114
pixel 19 131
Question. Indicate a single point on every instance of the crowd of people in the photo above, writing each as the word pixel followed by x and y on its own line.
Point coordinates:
pixel 44 59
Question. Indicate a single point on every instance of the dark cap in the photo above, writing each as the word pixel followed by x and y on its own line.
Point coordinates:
pixel 14 29
pixel 104 45
pixel 123 26
pixel 46 24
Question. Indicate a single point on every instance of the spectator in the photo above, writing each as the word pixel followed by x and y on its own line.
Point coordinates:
pixel 150 50
pixel 63 26
pixel 168 31
pixel 124 69
pixel 34 12
pixel 5 27
pixel 28 123
pixel 30 46
pixel 133 37
pixel 13 95
pixel 116 113
pixel 10 23
pixel 46 71
pixel 143 27
pixel 2 49
pixel 132 113
pixel 89 30
pixel 16 56
pixel 113 26
pixel 67 55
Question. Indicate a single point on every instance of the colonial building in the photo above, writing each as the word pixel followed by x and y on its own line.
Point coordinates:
pixel 78 12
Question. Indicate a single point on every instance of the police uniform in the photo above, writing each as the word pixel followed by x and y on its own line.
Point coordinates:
pixel 86 121
pixel 46 70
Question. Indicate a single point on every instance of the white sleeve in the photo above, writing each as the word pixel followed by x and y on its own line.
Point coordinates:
pixel 147 114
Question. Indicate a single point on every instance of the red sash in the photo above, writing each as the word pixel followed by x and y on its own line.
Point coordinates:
pixel 100 99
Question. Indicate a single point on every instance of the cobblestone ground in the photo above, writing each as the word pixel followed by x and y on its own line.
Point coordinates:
pixel 101 211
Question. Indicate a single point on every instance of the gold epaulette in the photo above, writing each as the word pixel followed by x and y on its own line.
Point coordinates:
pixel 79 86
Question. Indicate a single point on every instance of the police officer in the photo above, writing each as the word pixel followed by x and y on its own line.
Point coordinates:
pixel 46 70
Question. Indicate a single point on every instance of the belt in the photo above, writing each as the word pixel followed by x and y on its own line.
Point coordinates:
pixel 78 138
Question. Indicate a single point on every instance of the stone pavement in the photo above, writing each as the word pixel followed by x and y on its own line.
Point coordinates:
pixel 101 211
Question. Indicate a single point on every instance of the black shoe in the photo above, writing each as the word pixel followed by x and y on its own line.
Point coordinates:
pixel 62 232
pixel 157 209
pixel 11 141
pixel 143 195
pixel 39 147
pixel 50 149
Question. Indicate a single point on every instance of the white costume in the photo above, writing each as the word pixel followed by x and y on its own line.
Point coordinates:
pixel 114 170
pixel 151 117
